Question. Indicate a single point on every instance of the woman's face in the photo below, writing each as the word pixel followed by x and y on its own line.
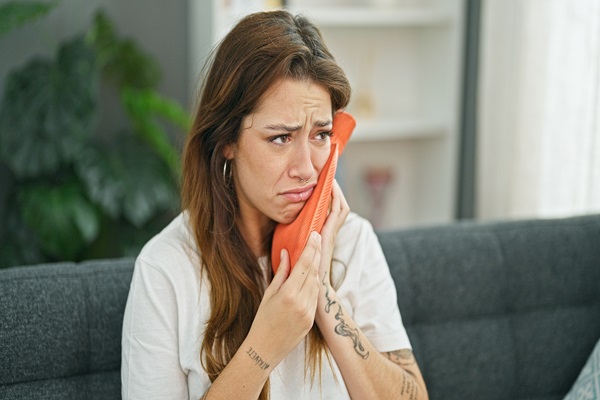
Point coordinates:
pixel 282 148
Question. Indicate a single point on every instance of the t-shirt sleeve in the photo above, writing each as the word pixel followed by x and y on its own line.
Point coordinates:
pixel 369 289
pixel 150 367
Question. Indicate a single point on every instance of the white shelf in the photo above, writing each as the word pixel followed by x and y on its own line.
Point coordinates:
pixel 366 17
pixel 369 130
pixel 372 17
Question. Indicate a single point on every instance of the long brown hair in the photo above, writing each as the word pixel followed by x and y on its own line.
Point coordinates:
pixel 261 49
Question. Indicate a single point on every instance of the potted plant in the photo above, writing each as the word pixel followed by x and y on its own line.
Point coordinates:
pixel 74 194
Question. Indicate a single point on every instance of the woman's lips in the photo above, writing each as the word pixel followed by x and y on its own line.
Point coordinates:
pixel 299 195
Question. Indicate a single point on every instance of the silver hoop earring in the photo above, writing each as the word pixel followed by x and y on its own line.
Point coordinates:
pixel 226 175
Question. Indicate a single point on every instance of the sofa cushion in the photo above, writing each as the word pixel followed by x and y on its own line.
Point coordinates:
pixel 499 310
pixel 61 321
pixel 93 386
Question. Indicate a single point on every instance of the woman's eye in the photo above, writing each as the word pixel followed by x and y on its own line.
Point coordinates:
pixel 281 139
pixel 324 135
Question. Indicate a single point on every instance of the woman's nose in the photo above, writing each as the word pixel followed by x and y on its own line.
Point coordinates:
pixel 301 164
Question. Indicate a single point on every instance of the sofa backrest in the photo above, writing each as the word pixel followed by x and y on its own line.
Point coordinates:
pixel 507 310
pixel 60 330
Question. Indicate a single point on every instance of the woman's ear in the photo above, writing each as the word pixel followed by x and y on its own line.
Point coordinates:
pixel 229 151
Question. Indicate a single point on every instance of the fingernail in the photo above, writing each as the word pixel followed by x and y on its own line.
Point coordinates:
pixel 315 236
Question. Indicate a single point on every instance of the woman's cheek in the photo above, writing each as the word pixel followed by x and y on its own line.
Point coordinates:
pixel 322 158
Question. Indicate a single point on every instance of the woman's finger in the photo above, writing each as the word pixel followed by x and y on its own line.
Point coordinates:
pixel 338 212
pixel 282 271
pixel 339 198
pixel 305 265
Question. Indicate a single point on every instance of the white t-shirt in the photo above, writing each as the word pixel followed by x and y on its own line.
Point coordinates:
pixel 168 306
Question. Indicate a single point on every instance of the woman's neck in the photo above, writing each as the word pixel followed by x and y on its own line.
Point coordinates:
pixel 255 231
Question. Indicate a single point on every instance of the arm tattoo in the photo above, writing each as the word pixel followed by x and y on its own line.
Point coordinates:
pixel 257 360
pixel 402 357
pixel 405 358
pixel 329 301
pixel 343 329
pixel 409 386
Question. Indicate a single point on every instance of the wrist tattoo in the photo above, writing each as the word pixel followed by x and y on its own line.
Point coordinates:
pixel 257 360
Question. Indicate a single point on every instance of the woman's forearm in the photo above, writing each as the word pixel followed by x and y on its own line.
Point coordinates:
pixel 243 377
pixel 284 317
pixel 366 372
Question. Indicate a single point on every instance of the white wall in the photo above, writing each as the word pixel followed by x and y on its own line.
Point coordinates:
pixel 159 27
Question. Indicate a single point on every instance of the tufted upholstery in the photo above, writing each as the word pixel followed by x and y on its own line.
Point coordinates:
pixel 507 310
pixel 60 330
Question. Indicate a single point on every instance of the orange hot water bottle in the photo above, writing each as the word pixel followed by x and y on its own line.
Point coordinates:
pixel 294 236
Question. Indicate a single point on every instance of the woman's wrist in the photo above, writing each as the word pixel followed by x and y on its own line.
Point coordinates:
pixel 327 297
pixel 244 376
pixel 255 350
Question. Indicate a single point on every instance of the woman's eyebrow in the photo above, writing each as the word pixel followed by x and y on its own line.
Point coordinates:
pixel 294 128
pixel 323 124
pixel 283 127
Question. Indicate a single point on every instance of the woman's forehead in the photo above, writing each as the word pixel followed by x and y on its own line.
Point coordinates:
pixel 290 95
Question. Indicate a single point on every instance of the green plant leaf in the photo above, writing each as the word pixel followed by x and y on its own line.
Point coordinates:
pixel 100 171
pixel 64 220
pixel 13 14
pixel 121 60
pixel 128 180
pixel 48 110
pixel 150 186
pixel 144 107
pixel 18 245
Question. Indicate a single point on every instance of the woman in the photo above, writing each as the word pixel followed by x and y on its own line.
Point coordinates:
pixel 205 317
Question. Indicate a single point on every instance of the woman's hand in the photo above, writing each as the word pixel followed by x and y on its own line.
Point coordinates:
pixel 338 213
pixel 287 310
pixel 289 305
pixel 284 317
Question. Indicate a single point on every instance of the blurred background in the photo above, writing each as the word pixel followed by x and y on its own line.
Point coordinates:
pixel 466 109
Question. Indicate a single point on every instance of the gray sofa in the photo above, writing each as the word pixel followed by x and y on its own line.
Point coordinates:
pixel 506 310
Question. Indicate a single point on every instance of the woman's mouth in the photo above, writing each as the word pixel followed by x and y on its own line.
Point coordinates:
pixel 298 195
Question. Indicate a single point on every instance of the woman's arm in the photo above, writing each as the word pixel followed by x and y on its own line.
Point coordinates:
pixel 243 377
pixel 284 317
pixel 366 372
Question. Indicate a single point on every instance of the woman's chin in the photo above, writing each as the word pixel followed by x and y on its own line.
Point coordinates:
pixel 288 216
